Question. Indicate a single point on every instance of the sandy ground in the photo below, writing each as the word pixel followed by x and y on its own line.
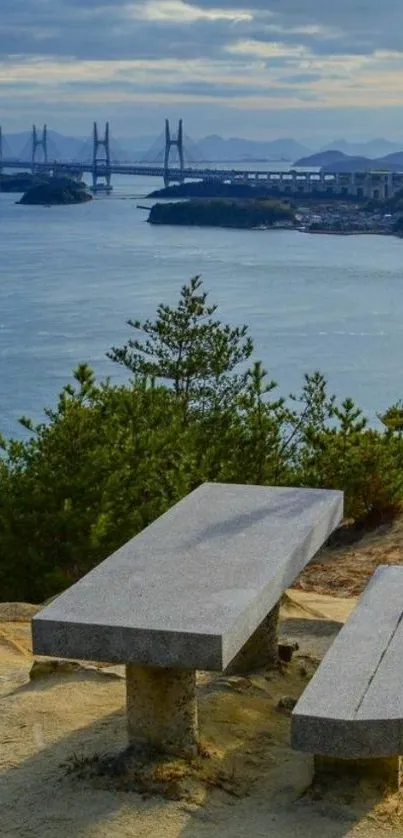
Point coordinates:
pixel 344 568
pixel 251 786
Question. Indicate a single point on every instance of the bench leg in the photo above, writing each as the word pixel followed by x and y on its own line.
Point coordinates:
pixel 386 770
pixel 162 709
pixel 261 650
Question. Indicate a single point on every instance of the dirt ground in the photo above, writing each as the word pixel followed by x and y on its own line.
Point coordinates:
pixel 345 566
pixel 55 726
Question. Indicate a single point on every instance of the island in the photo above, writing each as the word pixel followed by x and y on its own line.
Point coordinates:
pixel 219 212
pixel 212 188
pixel 20 181
pixel 56 192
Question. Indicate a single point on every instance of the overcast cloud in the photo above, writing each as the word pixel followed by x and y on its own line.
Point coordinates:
pixel 298 67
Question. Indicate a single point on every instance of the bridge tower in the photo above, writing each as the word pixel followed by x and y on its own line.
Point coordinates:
pixel 172 142
pixel 39 142
pixel 1 152
pixel 101 163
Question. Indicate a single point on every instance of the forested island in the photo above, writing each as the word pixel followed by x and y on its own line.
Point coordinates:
pixel 212 188
pixel 20 182
pixel 219 212
pixel 55 192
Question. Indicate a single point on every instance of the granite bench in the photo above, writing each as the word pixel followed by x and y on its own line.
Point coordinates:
pixel 198 589
pixel 350 716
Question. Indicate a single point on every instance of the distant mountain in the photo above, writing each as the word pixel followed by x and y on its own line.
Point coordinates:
pixel 68 148
pixel 60 147
pixel 213 148
pixel 322 158
pixel 216 148
pixel 362 164
pixel 350 164
pixel 371 148
pixel 396 157
pixel 337 161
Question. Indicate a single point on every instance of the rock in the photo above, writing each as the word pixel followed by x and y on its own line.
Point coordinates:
pixel 286 704
pixel 303 671
pixel 286 650
pixel 42 669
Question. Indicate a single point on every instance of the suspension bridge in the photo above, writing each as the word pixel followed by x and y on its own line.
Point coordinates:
pixel 175 158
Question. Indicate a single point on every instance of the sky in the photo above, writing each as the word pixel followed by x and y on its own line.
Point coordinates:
pixel 271 68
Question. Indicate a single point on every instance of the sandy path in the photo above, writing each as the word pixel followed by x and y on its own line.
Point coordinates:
pixel 46 722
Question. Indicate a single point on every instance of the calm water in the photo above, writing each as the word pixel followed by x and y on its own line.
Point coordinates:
pixel 71 276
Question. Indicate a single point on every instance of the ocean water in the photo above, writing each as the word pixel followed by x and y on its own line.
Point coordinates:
pixel 70 277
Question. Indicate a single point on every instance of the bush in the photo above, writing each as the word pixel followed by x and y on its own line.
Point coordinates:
pixel 109 460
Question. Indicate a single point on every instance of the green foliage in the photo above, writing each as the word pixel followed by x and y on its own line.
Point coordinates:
pixel 107 463
pixel 366 464
pixel 108 460
pixel 189 350
pixel 222 212
pixel 393 418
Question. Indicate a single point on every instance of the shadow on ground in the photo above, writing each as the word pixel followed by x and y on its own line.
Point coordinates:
pixel 251 785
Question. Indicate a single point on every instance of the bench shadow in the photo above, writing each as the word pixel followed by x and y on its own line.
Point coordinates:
pixel 41 792
pixel 289 506
pixel 285 800
pixel 40 788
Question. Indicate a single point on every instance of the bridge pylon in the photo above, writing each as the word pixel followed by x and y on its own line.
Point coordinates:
pixel 39 142
pixel 101 163
pixel 1 151
pixel 173 142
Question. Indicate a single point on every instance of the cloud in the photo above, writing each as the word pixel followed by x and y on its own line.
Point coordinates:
pixel 244 56
pixel 176 11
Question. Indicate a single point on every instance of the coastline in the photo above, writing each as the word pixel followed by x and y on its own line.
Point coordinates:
pixel 330 232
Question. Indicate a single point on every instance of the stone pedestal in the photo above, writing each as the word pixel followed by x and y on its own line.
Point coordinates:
pixel 162 709
pixel 261 650
pixel 385 771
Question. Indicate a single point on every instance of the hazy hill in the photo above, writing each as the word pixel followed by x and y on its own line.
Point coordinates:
pixel 213 148
pixel 322 158
pixel 68 147
pixel 348 164
pixel 371 148
pixel 338 161
pixel 396 157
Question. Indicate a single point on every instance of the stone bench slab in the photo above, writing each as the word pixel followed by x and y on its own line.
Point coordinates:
pixel 353 706
pixel 190 590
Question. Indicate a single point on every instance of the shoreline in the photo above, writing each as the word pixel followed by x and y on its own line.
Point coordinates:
pixel 348 232
pixel 275 228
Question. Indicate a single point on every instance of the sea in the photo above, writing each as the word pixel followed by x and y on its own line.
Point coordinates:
pixel 71 277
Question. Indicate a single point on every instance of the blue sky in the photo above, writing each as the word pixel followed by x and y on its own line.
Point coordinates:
pixel 302 68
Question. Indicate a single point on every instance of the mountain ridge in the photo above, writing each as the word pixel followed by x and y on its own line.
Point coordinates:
pixel 211 148
pixel 338 161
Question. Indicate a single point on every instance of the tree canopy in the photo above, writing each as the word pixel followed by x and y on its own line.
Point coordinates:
pixel 110 459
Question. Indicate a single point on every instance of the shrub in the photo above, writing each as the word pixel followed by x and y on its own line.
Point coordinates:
pixel 108 460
